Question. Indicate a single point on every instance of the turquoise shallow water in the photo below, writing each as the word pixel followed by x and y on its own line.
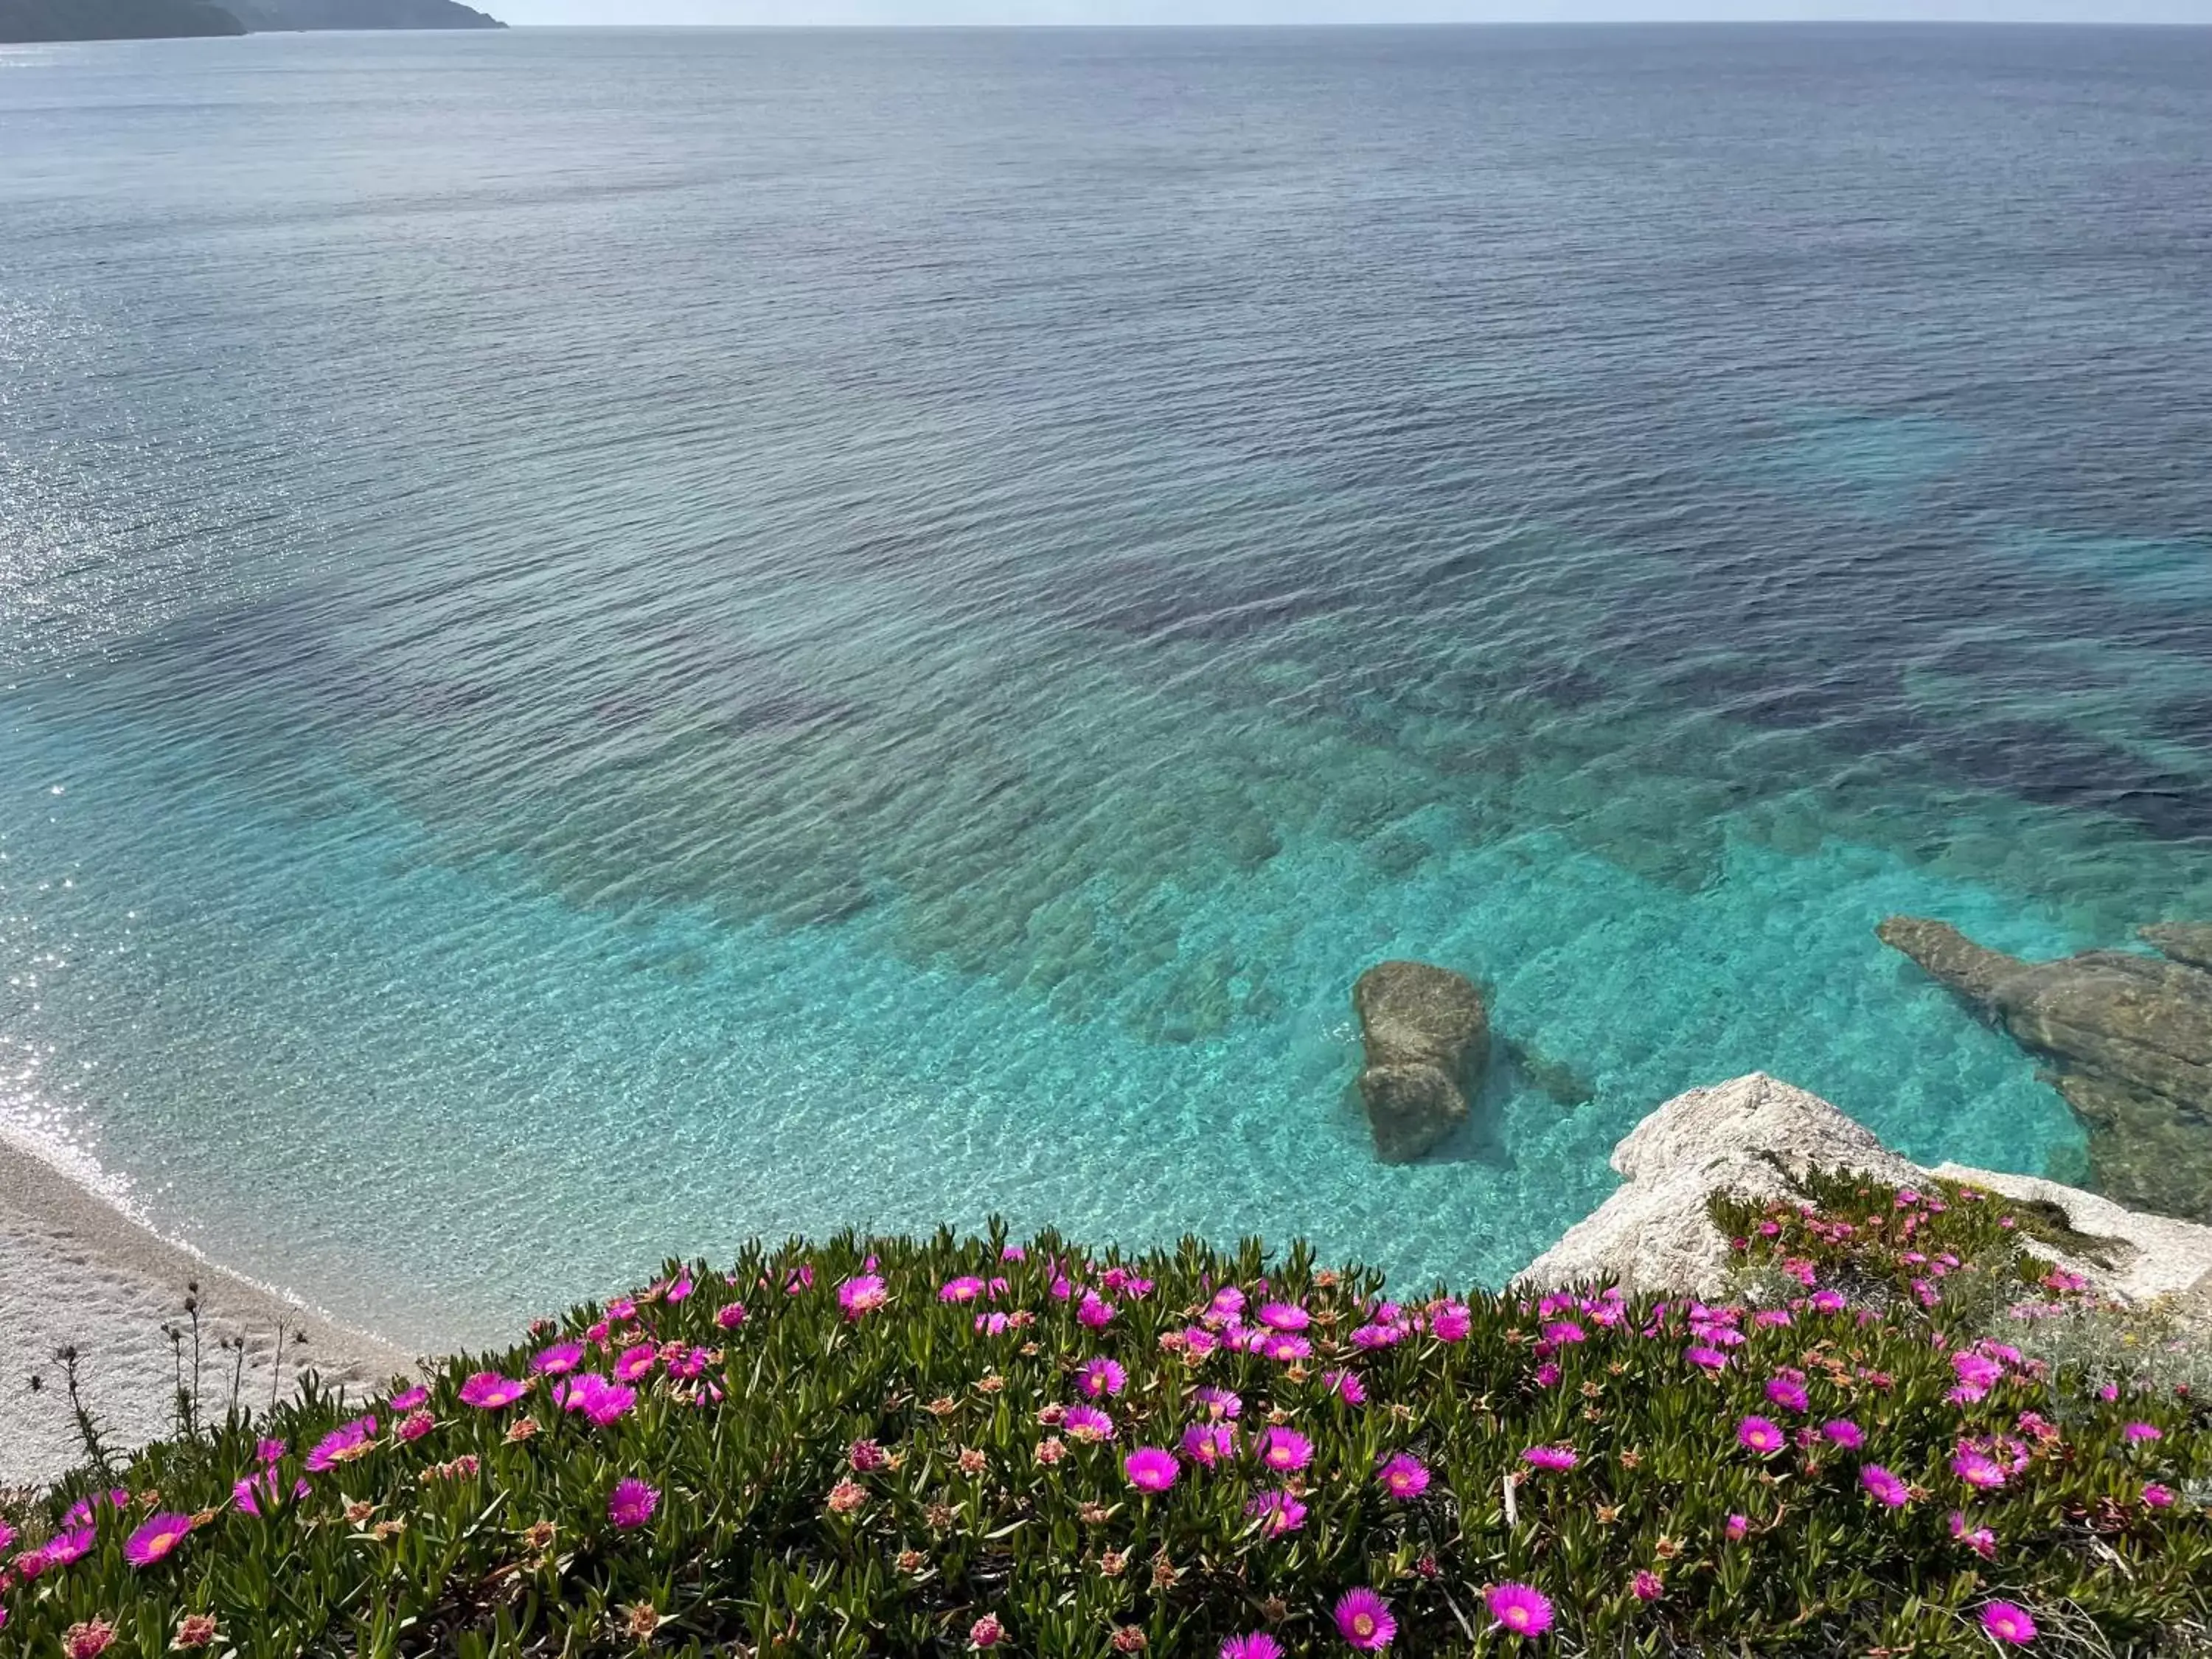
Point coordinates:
pixel 618 641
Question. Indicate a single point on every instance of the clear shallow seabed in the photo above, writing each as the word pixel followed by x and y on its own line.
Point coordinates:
pixel 615 641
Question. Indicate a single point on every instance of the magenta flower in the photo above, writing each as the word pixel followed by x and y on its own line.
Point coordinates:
pixel 1980 1540
pixel 348 1441
pixel 986 1632
pixel 636 1362
pixel 1555 1458
pixel 1210 1443
pixel 1220 1402
pixel 558 1360
pixel 1087 1423
pixel 1258 1645
pixel 631 1503
pixel 1790 1396
pixel 1520 1608
pixel 1760 1435
pixel 1983 1473
pixel 1363 1619
pixel 1646 1586
pixel 1886 1487
pixel 1277 1512
pixel 2007 1624
pixel 2157 1496
pixel 1285 1316
pixel 1451 1322
pixel 1150 1469
pixel 1844 1432
pixel 155 1539
pixel 1094 1312
pixel 490 1391
pixel 1286 1350
pixel 1285 1450
pixel 408 1400
pixel 1405 1477
pixel 1100 1377
pixel 729 1315
pixel 966 1288
pixel 1828 1302
pixel 859 1296
pixel 1345 1386
pixel 2138 1431
pixel 1737 1526
pixel 1705 1358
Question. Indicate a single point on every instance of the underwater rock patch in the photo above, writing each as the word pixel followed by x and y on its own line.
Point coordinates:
pixel 1427 1037
pixel 2129 1038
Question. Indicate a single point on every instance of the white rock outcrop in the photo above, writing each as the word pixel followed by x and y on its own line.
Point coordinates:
pixel 1740 1136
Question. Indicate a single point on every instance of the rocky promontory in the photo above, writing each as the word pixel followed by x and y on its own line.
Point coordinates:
pixel 1753 1137
pixel 2128 1042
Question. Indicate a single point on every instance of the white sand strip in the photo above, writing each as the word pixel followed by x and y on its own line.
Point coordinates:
pixel 76 1271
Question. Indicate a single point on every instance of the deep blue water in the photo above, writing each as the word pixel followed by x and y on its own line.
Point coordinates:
pixel 615 641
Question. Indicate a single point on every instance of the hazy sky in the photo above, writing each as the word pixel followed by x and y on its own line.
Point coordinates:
pixel 1330 11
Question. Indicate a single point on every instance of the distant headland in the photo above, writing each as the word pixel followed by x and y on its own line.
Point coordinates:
pixel 24 21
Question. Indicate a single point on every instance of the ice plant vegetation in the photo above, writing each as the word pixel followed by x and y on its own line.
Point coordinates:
pixel 947 1446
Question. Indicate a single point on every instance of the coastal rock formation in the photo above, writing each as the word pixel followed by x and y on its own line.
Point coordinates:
pixel 1752 1136
pixel 1746 1137
pixel 1427 1037
pixel 113 20
pixel 2130 1040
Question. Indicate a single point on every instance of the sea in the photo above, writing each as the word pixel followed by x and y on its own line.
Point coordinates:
pixel 615 640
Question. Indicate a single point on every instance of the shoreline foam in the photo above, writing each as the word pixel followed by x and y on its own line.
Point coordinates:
pixel 77 1268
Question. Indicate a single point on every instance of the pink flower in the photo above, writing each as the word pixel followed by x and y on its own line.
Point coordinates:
pixel 1520 1608
pixel 1258 1645
pixel 1285 1316
pixel 71 1544
pixel 964 1289
pixel 1844 1432
pixel 1737 1526
pixel 631 1503
pixel 1345 1386
pixel 1287 1350
pixel 1210 1443
pixel 1884 1486
pixel 1277 1512
pixel 88 1639
pixel 1790 1395
pixel 159 1535
pixel 409 1400
pixel 860 1296
pixel 416 1424
pixel 1980 1540
pixel 681 1290
pixel 1547 1375
pixel 1405 1477
pixel 1760 1435
pixel 1451 1322
pixel 1705 1358
pixel 1828 1302
pixel 2137 1431
pixel 2007 1624
pixel 340 1444
pixel 1285 1450
pixel 557 1360
pixel 1555 1458
pixel 490 1391
pixel 2158 1496
pixel 986 1632
pixel 1087 1423
pixel 1150 1469
pixel 1100 1377
pixel 636 1362
pixel 729 1315
pixel 1372 1336
pixel 1646 1586
pixel 1977 1471
pixel 1363 1619
pixel 1093 1312
pixel 1220 1402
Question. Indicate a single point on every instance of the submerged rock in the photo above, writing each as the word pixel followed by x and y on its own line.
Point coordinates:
pixel 2130 1040
pixel 1755 1136
pixel 1427 1037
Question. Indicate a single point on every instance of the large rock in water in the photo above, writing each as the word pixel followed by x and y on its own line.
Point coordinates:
pixel 2130 1042
pixel 1754 1137
pixel 1428 1042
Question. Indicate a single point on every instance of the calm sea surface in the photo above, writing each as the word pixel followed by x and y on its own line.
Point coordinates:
pixel 613 640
